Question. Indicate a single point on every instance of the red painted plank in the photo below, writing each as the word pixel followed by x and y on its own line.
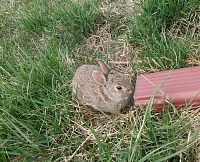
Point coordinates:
pixel 175 86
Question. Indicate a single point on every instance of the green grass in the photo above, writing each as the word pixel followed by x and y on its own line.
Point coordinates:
pixel 164 30
pixel 39 52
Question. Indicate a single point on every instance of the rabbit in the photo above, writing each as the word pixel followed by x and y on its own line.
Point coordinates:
pixel 101 88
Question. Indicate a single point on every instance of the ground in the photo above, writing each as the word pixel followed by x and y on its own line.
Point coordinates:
pixel 43 43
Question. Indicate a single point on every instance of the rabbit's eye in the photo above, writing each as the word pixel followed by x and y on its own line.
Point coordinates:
pixel 119 87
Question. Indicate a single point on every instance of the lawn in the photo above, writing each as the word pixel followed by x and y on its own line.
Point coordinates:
pixel 43 42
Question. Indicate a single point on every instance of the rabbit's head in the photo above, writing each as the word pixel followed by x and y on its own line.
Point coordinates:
pixel 118 85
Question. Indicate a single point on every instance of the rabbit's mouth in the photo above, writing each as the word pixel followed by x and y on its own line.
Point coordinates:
pixel 130 92
pixel 126 98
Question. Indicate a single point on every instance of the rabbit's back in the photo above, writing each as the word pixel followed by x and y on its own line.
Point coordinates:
pixel 84 74
pixel 84 85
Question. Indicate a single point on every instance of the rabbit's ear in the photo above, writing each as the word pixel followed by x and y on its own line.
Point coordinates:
pixel 104 67
pixel 99 77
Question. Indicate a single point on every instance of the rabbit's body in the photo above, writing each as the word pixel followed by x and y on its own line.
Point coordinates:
pixel 104 90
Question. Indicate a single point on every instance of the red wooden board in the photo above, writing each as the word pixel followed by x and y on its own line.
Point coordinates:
pixel 178 86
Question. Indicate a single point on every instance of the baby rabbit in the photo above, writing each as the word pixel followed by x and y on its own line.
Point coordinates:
pixel 101 88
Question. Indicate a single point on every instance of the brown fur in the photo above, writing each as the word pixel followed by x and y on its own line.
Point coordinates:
pixel 92 92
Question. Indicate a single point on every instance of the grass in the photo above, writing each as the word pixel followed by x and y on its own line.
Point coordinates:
pixel 43 43
pixel 164 29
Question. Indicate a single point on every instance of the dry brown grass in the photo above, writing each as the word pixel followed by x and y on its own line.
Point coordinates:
pixel 104 126
pixel 105 44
